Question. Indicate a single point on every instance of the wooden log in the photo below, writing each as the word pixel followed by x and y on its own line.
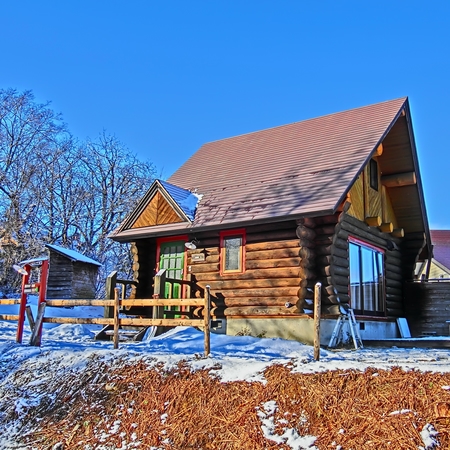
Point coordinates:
pixel 308 222
pixel 333 261
pixel 255 301
pixel 273 254
pixel 330 219
pixel 330 271
pixel 264 237
pixel 304 232
pixel 364 234
pixel 257 292
pixel 386 227
pixel 399 179
pixel 276 311
pixel 206 324
pixel 374 221
pixel 339 298
pixel 261 283
pixel 395 268
pixel 272 263
pixel 398 232
pixel 331 310
pixel 116 318
pixel 331 290
pixel 337 280
pixel 340 243
pixel 393 290
pixel 272 245
pixel 394 283
pixel 204 268
pixel 306 243
pixel 317 304
pixel 12 317
pixel 394 276
pixel 325 230
pixel 288 272
pixel 36 334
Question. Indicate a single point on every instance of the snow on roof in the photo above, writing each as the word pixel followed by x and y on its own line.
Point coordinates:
pixel 72 254
pixel 185 199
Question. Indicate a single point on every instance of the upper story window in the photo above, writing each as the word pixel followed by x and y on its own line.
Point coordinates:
pixel 366 278
pixel 373 174
pixel 232 251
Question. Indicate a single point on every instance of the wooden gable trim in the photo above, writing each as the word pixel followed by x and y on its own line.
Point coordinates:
pixel 157 207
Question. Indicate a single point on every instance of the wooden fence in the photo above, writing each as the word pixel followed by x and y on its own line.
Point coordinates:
pixel 427 304
pixel 184 317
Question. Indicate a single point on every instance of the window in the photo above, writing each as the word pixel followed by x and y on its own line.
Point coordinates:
pixel 366 278
pixel 373 173
pixel 232 245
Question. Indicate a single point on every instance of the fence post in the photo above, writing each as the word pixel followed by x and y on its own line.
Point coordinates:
pixel 207 318
pixel 317 301
pixel 159 292
pixel 111 282
pixel 23 305
pixel 116 318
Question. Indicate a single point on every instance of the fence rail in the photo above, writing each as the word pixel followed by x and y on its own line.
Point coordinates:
pixel 116 304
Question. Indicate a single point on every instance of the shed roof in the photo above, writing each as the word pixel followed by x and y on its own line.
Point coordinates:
pixel 300 169
pixel 72 254
pixel 441 246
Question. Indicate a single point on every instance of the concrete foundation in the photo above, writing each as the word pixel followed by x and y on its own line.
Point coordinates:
pixel 302 329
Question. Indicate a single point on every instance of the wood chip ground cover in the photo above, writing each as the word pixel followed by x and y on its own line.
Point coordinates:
pixel 149 408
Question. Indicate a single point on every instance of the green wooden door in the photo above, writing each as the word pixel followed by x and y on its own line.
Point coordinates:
pixel 172 259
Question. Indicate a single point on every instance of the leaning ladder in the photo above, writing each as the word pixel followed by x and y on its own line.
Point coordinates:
pixel 337 335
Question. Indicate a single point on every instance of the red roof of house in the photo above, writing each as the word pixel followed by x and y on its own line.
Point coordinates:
pixel 301 169
pixel 441 246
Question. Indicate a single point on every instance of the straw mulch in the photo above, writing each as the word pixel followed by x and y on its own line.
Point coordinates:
pixel 181 409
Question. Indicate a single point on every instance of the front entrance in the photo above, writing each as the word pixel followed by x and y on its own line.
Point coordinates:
pixel 172 259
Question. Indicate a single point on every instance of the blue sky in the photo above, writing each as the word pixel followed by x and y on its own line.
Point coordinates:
pixel 167 76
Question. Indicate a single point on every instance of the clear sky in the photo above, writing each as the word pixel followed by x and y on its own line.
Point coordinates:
pixel 167 76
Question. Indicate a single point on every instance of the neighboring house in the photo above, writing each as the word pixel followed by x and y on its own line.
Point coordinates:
pixel 440 263
pixel 336 199
pixel 71 274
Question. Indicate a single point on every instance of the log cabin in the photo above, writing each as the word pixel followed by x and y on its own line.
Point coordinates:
pixel 262 217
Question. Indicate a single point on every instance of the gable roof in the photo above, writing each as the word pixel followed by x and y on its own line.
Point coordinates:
pixel 72 254
pixel 163 204
pixel 441 247
pixel 290 171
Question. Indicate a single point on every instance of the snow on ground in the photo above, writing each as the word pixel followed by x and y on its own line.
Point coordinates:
pixel 69 347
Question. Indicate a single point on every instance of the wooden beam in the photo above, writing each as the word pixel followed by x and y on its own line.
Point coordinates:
pixel 374 221
pixel 399 179
pixel 386 227
pixel 379 150
pixel 398 232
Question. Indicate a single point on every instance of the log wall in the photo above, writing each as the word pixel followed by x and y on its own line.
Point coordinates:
pixel 275 276
pixel 339 273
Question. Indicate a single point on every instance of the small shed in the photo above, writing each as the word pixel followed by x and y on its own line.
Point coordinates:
pixel 71 274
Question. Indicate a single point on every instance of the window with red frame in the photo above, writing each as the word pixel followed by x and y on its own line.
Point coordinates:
pixel 232 248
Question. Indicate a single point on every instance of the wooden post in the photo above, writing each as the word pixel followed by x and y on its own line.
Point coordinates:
pixel 110 286
pixel 41 299
pixel 159 292
pixel 116 318
pixel 23 304
pixel 317 301
pixel 37 330
pixel 207 319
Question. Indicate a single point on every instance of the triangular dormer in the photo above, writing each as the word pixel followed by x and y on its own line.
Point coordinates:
pixel 163 204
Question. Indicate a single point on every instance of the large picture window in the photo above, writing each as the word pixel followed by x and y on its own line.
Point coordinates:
pixel 232 245
pixel 366 279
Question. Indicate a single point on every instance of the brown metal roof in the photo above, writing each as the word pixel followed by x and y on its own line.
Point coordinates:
pixel 304 168
pixel 292 170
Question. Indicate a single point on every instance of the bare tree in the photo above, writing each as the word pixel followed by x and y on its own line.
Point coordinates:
pixel 56 190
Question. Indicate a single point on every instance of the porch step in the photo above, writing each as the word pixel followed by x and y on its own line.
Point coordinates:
pixel 107 333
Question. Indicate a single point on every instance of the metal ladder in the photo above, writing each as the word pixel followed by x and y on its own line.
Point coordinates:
pixel 347 316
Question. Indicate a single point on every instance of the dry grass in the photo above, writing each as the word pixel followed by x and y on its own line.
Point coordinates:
pixel 181 409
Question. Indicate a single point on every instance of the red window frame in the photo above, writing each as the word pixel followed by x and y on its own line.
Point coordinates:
pixel 230 234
